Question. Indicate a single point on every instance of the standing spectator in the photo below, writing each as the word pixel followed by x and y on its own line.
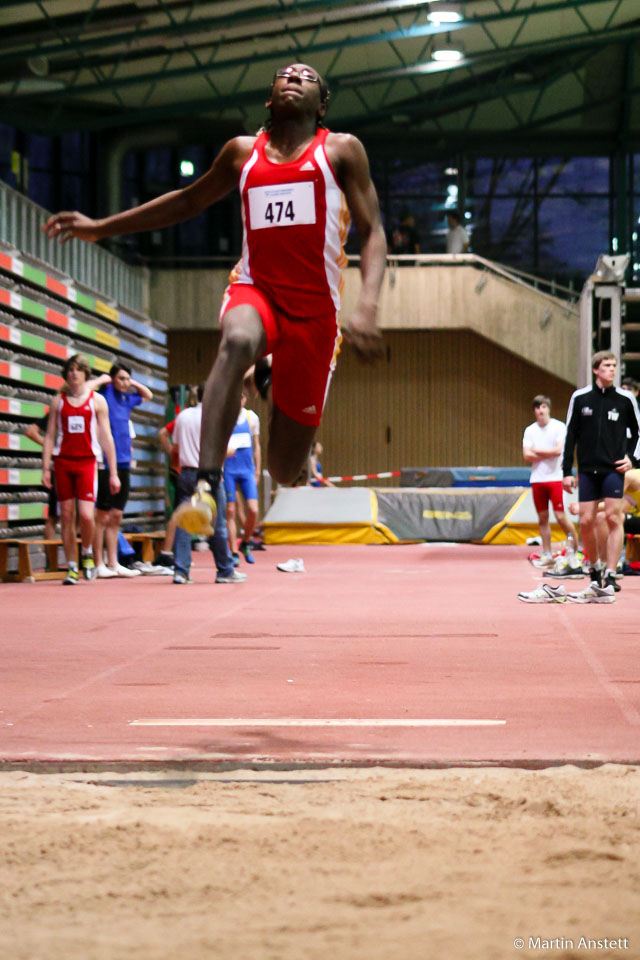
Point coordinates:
pixel 542 446
pixel 165 435
pixel 404 237
pixel 122 395
pixel 604 424
pixel 79 418
pixel 457 236
pixel 36 431
pixel 316 478
pixel 186 436
pixel 242 469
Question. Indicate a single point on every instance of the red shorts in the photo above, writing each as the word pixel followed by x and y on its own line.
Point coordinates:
pixel 304 353
pixel 76 479
pixel 545 492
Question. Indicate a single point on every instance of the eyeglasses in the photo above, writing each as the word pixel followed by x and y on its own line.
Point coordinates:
pixel 304 74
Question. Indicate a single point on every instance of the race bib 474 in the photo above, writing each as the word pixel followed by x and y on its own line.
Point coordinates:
pixel 283 205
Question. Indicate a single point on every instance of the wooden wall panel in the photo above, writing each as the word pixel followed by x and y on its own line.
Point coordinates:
pixel 191 354
pixel 440 398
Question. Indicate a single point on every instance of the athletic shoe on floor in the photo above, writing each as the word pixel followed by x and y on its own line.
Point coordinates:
pixel 126 571
pixel 152 570
pixel 544 594
pixel 565 570
pixel 594 593
pixel 181 578
pixel 544 560
pixel 245 550
pixel 234 577
pixel 104 573
pixel 291 566
pixel 197 515
pixel 71 577
pixel 165 559
pixel 611 580
pixel 88 567
pixel 236 559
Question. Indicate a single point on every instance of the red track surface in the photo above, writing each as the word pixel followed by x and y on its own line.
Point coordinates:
pixel 421 632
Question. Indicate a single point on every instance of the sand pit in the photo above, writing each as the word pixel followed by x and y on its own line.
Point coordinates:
pixel 366 864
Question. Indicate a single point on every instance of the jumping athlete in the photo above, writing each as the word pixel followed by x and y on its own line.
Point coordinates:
pixel 300 186
pixel 78 425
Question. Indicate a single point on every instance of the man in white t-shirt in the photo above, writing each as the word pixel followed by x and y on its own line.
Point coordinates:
pixel 542 446
pixel 186 437
pixel 457 236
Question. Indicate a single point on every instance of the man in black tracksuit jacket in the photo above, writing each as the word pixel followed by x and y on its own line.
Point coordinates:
pixel 604 423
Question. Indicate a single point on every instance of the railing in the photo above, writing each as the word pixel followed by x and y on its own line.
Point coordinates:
pixel 20 224
pixel 547 288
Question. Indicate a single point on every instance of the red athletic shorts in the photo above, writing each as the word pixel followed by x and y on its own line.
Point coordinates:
pixel 545 492
pixel 76 478
pixel 304 353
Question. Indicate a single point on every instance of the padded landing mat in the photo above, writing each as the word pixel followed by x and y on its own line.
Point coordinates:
pixel 440 514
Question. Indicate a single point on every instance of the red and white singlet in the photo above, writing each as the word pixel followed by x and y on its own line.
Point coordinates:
pixel 295 223
pixel 77 430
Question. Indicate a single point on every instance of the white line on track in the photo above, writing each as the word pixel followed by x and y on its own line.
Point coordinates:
pixel 307 722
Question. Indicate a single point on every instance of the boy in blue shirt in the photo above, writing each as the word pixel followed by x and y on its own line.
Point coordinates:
pixel 122 394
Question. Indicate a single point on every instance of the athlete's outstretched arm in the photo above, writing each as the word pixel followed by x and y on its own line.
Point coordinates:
pixel 170 208
pixel 352 168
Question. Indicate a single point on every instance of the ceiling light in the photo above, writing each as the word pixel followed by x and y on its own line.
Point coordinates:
pixel 447 55
pixel 445 13
pixel 446 52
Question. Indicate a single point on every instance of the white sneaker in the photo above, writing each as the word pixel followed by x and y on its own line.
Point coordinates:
pixel 104 573
pixel 544 594
pixel 593 594
pixel 234 577
pixel 291 566
pixel 121 571
pixel 545 560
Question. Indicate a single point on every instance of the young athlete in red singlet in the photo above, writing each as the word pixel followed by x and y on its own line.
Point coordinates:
pixel 300 185
pixel 78 425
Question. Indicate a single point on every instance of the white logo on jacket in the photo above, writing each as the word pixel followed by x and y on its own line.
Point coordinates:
pixel 586 411
pixel 613 415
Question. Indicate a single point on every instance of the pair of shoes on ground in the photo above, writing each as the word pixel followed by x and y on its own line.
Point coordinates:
pixel 103 572
pixel 234 577
pixel 89 571
pixel 564 568
pixel 594 593
pixel 291 566
pixel 153 570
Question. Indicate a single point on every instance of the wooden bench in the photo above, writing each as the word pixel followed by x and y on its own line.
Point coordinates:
pixel 632 552
pixel 150 543
pixel 25 572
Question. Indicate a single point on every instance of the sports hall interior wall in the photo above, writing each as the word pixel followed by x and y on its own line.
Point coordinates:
pixel 438 398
